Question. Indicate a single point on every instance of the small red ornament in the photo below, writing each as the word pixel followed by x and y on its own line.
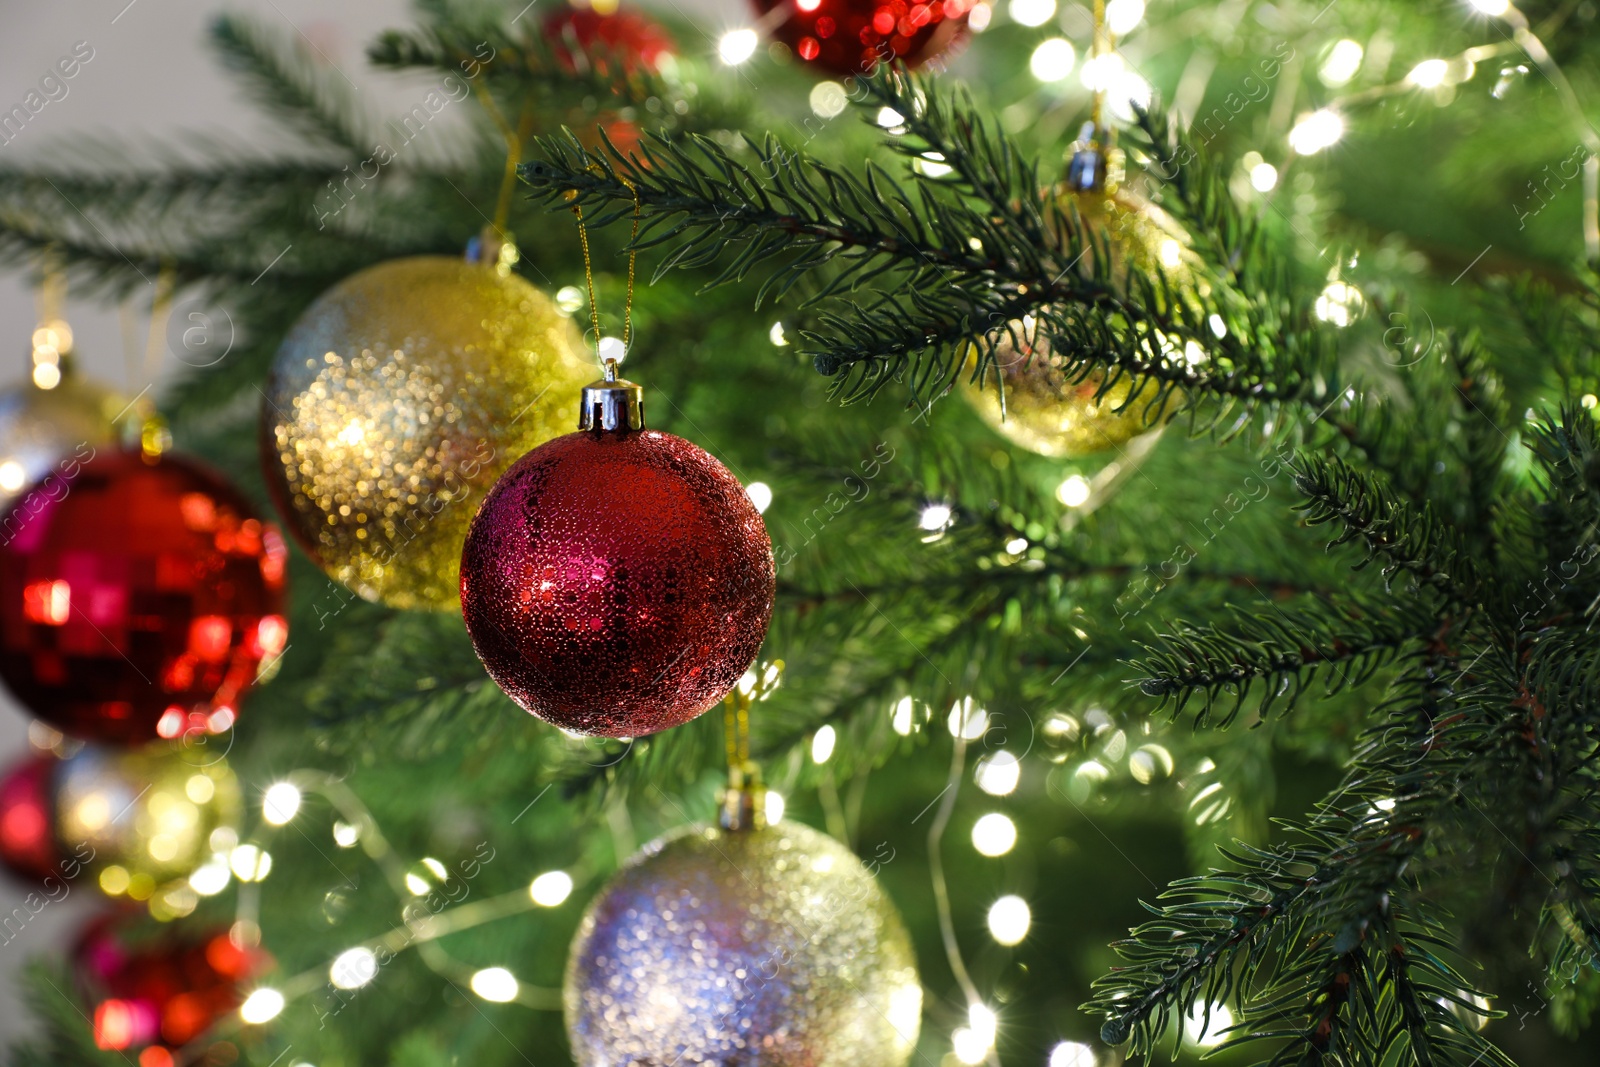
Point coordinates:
pixel 617 581
pixel 853 36
pixel 163 991
pixel 138 597
pixel 27 836
pixel 630 38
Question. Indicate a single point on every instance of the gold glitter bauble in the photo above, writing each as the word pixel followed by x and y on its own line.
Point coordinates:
pixel 45 431
pixel 1044 409
pixel 396 401
pixel 769 945
pixel 140 819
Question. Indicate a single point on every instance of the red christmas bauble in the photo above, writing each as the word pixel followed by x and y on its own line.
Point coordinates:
pixel 138 598
pixel 617 584
pixel 27 836
pixel 630 38
pixel 162 991
pixel 853 36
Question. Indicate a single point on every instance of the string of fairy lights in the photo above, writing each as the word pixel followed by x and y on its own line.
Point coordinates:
pixel 997 774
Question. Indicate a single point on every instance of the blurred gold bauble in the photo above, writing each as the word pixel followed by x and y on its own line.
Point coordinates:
pixel 396 401
pixel 1044 410
pixel 140 819
pixel 769 945
pixel 43 429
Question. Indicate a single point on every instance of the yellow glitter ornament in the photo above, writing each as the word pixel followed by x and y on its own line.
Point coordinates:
pixel 744 943
pixel 1036 403
pixel 397 400
pixel 142 819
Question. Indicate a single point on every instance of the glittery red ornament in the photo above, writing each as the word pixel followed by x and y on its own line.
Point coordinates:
pixel 164 991
pixel 617 581
pixel 27 838
pixel 853 36
pixel 138 598
pixel 630 38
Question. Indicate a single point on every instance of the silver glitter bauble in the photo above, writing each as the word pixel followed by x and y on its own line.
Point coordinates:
pixel 770 946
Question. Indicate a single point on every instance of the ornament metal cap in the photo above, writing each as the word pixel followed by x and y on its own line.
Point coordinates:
pixel 612 404
pixel 744 802
pixel 1093 166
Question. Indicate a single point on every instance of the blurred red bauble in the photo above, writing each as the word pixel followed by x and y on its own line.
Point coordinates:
pixel 27 838
pixel 138 598
pixel 163 990
pixel 630 38
pixel 853 36
pixel 617 583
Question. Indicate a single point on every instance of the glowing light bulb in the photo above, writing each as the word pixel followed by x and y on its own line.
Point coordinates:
pixel 969 1046
pixel 353 968
pixel 345 835
pixel 1203 1033
pixel 1264 177
pixel 1429 74
pixel 994 834
pixel 1124 16
pixel 902 718
pixel 822 743
pixel 551 888
pixel 776 336
pixel 1032 12
pixel 889 118
pixel 12 476
pixel 982 1020
pixel 737 46
pixel 210 878
pixel 418 885
pixel 1072 1054
pixel 1053 60
pixel 1074 491
pixel 998 774
pixel 760 494
pixel 935 517
pixel 1316 131
pixel 495 984
pixel 280 804
pixel 262 1006
pixel 1009 919
pixel 966 721
pixel 1343 61
pixel 250 864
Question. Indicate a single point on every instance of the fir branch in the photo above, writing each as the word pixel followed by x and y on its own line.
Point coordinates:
pixel 279 73
pixel 1275 654
pixel 1403 538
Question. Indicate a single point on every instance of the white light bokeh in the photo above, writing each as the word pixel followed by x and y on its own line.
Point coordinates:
pixel 1264 177
pixel 998 773
pixel 994 834
pixel 1124 16
pixel 736 46
pixel 551 888
pixel 1317 131
pixel 760 494
pixel 495 984
pixel 935 517
pixel 1032 12
pixel 1072 1054
pixel 1429 74
pixel 1342 64
pixel 1074 491
pixel 262 1006
pixel 353 968
pixel 1009 920
pixel 280 804
pixel 1195 1022
pixel 822 743
pixel 1053 59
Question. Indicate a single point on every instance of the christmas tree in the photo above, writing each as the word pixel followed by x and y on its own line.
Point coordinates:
pixel 1174 431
